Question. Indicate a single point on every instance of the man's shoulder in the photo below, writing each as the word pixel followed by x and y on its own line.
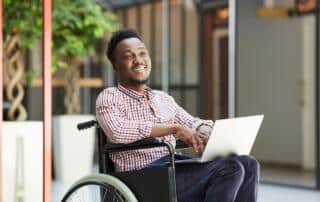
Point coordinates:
pixel 159 93
pixel 109 95
pixel 162 96
pixel 109 91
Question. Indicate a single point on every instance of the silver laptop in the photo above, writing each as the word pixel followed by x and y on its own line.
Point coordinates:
pixel 230 136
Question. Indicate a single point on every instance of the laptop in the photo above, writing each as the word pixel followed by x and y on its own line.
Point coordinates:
pixel 230 136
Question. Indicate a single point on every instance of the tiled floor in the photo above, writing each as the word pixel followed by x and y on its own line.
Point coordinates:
pixel 267 193
pixel 272 193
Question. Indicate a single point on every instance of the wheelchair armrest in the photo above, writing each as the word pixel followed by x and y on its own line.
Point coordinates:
pixel 144 143
pixel 86 124
pixel 141 144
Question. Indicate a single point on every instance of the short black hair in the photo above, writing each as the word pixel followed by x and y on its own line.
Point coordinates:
pixel 118 37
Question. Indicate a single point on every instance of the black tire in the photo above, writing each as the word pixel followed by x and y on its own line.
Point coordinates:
pixel 99 188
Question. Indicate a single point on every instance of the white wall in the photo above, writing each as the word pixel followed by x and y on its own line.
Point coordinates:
pixel 308 100
pixel 269 81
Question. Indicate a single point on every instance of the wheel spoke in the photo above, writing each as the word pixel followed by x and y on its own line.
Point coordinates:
pixel 95 193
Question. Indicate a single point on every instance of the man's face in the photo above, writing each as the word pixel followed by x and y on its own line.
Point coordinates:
pixel 132 62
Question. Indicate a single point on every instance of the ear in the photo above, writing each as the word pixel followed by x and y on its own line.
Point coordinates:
pixel 114 66
pixel 113 63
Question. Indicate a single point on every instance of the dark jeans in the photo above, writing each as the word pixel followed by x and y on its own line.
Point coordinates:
pixel 229 179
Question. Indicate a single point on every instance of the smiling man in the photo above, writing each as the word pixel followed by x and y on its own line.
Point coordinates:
pixel 132 111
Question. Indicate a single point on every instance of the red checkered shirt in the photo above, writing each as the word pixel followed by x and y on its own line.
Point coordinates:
pixel 127 116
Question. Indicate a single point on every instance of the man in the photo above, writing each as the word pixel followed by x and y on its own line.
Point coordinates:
pixel 132 111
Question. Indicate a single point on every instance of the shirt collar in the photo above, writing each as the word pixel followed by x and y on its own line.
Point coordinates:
pixel 134 94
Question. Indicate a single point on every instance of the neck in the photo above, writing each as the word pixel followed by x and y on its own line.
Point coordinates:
pixel 139 87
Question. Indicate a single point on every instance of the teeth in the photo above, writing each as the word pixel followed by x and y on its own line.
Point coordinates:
pixel 139 68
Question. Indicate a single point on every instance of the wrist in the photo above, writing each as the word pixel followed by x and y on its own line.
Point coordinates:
pixel 176 128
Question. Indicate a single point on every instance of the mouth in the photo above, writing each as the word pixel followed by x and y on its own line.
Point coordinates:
pixel 139 68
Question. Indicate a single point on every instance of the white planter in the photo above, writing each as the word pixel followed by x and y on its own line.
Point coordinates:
pixel 30 134
pixel 72 149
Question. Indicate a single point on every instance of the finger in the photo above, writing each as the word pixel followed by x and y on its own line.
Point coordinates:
pixel 202 134
pixel 198 142
pixel 188 141
pixel 204 138
pixel 194 143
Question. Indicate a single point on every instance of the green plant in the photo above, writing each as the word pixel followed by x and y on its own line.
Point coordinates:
pixel 76 26
pixel 22 17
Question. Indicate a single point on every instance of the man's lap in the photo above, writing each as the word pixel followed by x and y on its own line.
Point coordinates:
pixel 192 179
pixel 165 160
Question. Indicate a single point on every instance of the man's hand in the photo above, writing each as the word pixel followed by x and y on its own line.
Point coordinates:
pixel 196 141
pixel 204 138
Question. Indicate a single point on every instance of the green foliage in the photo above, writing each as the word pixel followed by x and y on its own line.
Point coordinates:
pixel 24 17
pixel 76 26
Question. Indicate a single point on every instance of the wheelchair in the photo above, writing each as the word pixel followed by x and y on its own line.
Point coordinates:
pixel 145 185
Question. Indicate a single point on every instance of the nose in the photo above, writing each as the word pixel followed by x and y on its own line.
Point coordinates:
pixel 138 60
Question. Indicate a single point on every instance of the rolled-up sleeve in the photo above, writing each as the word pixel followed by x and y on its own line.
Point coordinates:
pixel 116 126
pixel 184 118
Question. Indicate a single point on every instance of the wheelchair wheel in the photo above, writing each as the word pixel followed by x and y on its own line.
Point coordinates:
pixel 99 188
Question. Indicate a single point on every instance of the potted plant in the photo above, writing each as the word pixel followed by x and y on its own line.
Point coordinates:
pixel 76 27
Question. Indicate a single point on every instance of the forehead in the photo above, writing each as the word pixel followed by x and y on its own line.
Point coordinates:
pixel 130 44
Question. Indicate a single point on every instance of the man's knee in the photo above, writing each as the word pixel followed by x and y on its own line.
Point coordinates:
pixel 250 163
pixel 230 167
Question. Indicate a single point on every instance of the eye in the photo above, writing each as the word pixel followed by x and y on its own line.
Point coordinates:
pixel 143 54
pixel 128 57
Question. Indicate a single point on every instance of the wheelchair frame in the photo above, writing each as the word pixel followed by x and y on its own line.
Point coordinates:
pixel 150 184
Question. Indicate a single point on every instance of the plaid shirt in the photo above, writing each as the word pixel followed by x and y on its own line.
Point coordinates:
pixel 127 116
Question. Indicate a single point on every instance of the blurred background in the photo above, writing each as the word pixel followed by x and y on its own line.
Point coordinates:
pixel 217 58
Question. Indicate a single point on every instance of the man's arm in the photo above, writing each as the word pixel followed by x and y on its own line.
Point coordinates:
pixel 121 130
pixel 182 133
pixel 118 128
pixel 184 118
